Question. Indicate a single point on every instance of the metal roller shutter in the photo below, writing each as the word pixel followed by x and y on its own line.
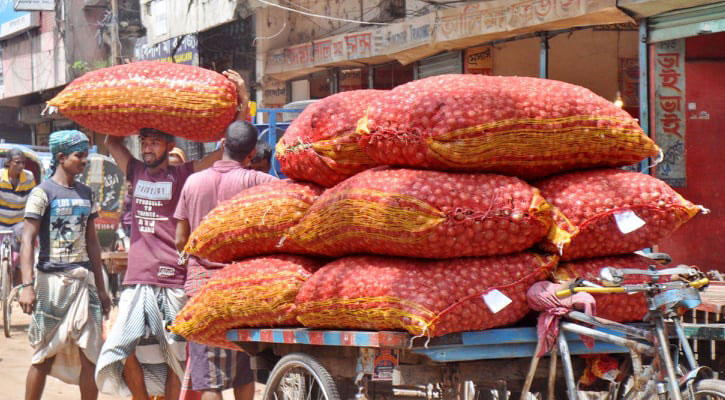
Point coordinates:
pixel 444 63
pixel 688 22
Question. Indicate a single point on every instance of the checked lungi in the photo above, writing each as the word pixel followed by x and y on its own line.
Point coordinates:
pixel 67 319
pixel 144 312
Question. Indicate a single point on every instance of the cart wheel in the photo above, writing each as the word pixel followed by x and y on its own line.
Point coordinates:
pixel 298 376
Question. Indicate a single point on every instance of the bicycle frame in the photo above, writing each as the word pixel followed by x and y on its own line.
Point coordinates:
pixel 651 342
pixel 6 252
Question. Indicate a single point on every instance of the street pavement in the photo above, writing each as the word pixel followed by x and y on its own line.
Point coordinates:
pixel 15 355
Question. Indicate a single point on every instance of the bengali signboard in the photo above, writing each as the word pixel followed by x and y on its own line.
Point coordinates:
pixel 274 93
pixel 669 110
pixel 179 50
pixel 478 60
pixel 330 50
pixel 446 29
pixel 406 41
pixel 502 18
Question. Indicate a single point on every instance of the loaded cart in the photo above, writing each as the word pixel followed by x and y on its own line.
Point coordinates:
pixel 342 364
pixel 500 363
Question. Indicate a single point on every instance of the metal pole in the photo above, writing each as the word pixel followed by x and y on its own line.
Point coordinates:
pixel 114 33
pixel 544 56
pixel 643 85
pixel 629 330
pixel 568 369
pixel 664 349
pixel 609 338
pixel 685 344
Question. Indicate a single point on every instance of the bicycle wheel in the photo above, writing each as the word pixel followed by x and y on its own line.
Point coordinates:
pixel 709 389
pixel 7 301
pixel 298 376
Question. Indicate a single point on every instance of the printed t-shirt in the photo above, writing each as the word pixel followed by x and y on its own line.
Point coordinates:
pixel 12 200
pixel 202 192
pixel 152 258
pixel 64 213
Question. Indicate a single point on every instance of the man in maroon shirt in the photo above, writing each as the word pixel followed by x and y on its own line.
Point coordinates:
pixel 140 356
pixel 211 370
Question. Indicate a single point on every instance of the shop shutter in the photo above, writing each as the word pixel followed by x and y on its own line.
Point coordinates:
pixel 688 22
pixel 444 63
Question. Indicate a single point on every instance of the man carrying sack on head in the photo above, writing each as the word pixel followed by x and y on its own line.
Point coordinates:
pixel 67 297
pixel 140 356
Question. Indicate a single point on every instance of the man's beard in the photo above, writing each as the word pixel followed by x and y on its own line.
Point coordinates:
pixel 157 162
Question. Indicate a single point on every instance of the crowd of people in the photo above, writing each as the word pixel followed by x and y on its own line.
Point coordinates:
pixel 64 291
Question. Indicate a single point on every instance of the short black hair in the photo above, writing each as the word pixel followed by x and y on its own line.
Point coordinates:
pixel 149 132
pixel 264 152
pixel 14 152
pixel 241 139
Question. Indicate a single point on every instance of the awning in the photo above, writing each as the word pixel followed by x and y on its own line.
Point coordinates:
pixel 689 22
pixel 447 29
pixel 648 8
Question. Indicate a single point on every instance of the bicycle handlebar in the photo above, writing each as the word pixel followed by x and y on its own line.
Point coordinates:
pixel 633 288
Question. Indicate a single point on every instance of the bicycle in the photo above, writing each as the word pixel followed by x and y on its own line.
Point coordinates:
pixel 664 377
pixel 8 293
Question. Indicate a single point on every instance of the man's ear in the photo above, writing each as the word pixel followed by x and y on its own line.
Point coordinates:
pixel 61 157
pixel 170 146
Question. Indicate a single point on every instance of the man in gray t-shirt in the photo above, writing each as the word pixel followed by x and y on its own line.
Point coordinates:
pixel 65 331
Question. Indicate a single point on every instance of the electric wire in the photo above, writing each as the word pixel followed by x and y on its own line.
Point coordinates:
pixel 322 16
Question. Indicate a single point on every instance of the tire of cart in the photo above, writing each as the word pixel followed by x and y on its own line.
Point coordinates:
pixel 298 376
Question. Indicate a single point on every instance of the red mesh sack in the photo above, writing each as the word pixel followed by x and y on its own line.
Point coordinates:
pixel 526 127
pixel 253 222
pixel 320 145
pixel 258 292
pixel 182 100
pixel 593 210
pixel 423 297
pixel 430 214
pixel 619 307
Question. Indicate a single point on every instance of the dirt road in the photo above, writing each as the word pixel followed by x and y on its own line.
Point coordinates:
pixel 15 355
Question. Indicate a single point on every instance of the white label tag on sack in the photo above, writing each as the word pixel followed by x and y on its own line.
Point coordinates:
pixel 496 301
pixel 628 221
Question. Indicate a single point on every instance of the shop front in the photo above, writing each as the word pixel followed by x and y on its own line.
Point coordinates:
pixel 490 38
pixel 686 50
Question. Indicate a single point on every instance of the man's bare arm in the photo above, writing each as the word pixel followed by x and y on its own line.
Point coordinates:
pixel 30 233
pixel 183 230
pixel 118 151
pixel 94 254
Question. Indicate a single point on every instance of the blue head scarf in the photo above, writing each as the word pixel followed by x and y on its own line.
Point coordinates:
pixel 65 142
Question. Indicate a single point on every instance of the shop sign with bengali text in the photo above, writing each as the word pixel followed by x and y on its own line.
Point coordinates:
pixel 274 93
pixel 483 18
pixel 179 50
pixel 669 110
pixel 478 60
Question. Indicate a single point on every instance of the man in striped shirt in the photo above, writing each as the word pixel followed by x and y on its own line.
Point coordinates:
pixel 15 185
